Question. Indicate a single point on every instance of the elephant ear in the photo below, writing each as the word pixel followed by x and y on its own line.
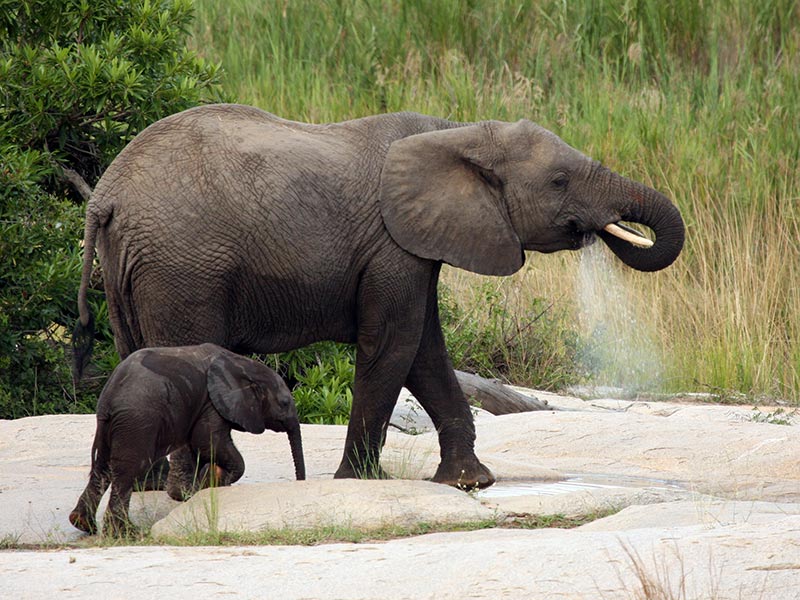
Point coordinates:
pixel 235 396
pixel 441 199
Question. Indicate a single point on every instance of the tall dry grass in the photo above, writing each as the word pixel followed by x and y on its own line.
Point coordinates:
pixel 700 100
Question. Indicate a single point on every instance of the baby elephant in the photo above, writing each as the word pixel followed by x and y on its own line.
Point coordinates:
pixel 159 400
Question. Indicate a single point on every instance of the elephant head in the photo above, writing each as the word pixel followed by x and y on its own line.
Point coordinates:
pixel 253 398
pixel 477 196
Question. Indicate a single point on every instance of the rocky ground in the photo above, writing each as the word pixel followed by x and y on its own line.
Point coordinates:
pixel 685 500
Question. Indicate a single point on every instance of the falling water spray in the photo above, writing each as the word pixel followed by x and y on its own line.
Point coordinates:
pixel 618 349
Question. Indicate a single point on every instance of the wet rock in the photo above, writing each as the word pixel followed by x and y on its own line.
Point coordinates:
pixel 708 451
pixel 554 498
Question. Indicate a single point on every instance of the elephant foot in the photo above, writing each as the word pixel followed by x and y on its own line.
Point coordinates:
pixel 212 475
pixel 83 522
pixel 120 528
pixel 346 471
pixel 464 475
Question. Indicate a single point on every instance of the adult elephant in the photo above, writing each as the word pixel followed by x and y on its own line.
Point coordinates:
pixel 230 225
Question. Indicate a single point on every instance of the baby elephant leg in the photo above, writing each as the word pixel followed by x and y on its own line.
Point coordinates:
pixel 83 515
pixel 117 521
pixel 183 471
pixel 156 477
pixel 223 463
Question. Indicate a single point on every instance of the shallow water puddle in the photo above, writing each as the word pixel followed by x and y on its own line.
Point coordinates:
pixel 572 484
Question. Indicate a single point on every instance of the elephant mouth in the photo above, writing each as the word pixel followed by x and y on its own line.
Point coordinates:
pixel 586 238
pixel 628 234
pixel 578 238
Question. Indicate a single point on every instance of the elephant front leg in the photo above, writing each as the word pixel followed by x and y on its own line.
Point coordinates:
pixel 224 467
pixel 377 384
pixel 433 382
pixel 222 462
pixel 388 336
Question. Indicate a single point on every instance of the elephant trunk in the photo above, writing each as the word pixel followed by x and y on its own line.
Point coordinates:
pixel 652 209
pixel 296 444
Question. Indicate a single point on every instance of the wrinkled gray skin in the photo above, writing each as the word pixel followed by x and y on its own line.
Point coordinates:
pixel 185 398
pixel 227 224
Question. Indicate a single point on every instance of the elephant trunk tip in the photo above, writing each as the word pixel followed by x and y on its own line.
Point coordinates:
pixel 651 209
pixel 296 444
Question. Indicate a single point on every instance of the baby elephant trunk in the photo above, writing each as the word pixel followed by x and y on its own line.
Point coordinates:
pixel 296 443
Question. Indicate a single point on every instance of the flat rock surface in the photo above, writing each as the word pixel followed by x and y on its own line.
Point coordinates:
pixel 710 497
pixel 700 513
pixel 743 561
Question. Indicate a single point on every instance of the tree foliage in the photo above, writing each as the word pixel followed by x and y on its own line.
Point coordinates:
pixel 78 79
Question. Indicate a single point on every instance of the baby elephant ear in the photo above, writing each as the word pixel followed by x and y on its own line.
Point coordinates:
pixel 235 396
pixel 441 199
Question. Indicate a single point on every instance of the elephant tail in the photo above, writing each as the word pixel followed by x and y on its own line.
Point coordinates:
pixel 100 450
pixel 83 333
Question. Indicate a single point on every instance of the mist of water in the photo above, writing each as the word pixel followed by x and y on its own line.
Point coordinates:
pixel 618 345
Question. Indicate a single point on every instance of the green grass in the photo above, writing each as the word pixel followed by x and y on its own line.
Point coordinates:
pixel 558 521
pixel 313 536
pixel 320 535
pixel 700 100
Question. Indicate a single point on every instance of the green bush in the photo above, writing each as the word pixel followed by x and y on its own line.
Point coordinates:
pixel 39 271
pixel 78 80
pixel 321 378
pixel 536 347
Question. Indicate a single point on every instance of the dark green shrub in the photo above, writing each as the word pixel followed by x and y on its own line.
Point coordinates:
pixel 79 79
pixel 39 271
pixel 536 348
pixel 321 379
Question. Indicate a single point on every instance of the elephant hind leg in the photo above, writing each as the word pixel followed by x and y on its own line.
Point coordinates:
pixel 183 465
pixel 389 329
pixel 116 521
pixel 83 515
pixel 127 335
pixel 131 456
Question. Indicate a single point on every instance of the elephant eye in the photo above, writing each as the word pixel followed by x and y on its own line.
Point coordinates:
pixel 560 181
pixel 490 178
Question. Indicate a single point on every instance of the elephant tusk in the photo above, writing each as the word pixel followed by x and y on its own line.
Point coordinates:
pixel 628 234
